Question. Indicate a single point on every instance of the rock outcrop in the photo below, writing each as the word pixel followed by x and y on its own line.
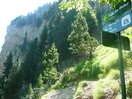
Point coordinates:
pixel 32 25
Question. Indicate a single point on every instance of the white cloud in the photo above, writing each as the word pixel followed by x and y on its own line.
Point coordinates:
pixel 9 9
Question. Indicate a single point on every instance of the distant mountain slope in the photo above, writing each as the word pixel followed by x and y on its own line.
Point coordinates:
pixel 32 25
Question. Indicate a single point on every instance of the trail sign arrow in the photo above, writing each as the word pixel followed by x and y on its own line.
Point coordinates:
pixel 120 23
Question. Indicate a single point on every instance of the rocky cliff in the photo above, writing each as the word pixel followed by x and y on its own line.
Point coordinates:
pixel 30 25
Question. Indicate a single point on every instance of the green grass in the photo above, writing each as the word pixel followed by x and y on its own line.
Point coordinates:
pixel 80 87
pixel 82 71
pixel 104 65
pixel 100 88
pixel 113 74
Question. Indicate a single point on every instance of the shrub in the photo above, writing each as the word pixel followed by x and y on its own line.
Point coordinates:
pixel 129 89
pixel 99 90
pixel 80 87
pixel 113 74
pixel 80 72
pixel 128 59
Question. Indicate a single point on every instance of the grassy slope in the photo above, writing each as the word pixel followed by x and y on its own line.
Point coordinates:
pixel 104 65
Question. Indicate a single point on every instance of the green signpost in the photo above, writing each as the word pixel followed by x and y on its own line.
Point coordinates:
pixel 122 78
pixel 114 21
pixel 111 40
pixel 113 14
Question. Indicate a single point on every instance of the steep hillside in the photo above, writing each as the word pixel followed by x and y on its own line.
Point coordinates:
pixel 99 81
pixel 56 54
pixel 30 25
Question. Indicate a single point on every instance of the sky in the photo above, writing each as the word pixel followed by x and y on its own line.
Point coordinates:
pixel 10 9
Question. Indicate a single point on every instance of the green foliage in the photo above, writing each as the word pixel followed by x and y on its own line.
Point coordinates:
pixel 113 74
pixel 30 92
pixel 37 94
pixel 128 59
pixel 80 87
pixel 30 89
pixel 104 61
pixel 51 57
pixel 42 43
pixel 13 83
pixel 129 89
pixel 80 72
pixel 24 45
pixel 99 92
pixel 34 93
pixel 8 65
pixel 38 60
pixel 81 4
pixel 71 4
pixel 59 28
pixel 50 72
pixel 80 40
pixel 29 65
pixel 91 20
pixel 114 2
pixel 40 81
pixel 100 88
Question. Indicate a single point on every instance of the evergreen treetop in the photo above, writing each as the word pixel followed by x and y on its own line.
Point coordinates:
pixel 8 64
pixel 51 57
pixel 81 42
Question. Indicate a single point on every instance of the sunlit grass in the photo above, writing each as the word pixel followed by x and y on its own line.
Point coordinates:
pixel 80 87
pixel 103 66
pixel 101 87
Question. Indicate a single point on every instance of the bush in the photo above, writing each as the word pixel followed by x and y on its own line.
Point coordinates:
pixel 129 89
pixel 113 74
pixel 128 59
pixel 68 78
pixel 80 87
pixel 100 88
pixel 80 72
pixel 107 59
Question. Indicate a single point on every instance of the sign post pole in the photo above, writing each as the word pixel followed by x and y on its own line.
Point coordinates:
pixel 122 79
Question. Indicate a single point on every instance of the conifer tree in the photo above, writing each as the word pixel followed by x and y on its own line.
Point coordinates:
pixel 13 83
pixel 30 63
pixel 8 65
pixel 81 43
pixel 30 92
pixel 24 45
pixel 43 42
pixel 40 81
pixel 51 58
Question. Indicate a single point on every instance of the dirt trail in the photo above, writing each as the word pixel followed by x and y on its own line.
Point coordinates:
pixel 68 93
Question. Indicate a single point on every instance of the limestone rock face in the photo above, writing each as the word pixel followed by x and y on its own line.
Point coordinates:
pixel 29 26
pixel 15 38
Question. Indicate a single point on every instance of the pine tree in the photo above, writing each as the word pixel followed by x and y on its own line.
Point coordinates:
pixel 13 83
pixel 39 90
pixel 30 63
pixel 51 58
pixel 42 43
pixel 8 65
pixel 40 81
pixel 24 45
pixel 30 92
pixel 81 43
